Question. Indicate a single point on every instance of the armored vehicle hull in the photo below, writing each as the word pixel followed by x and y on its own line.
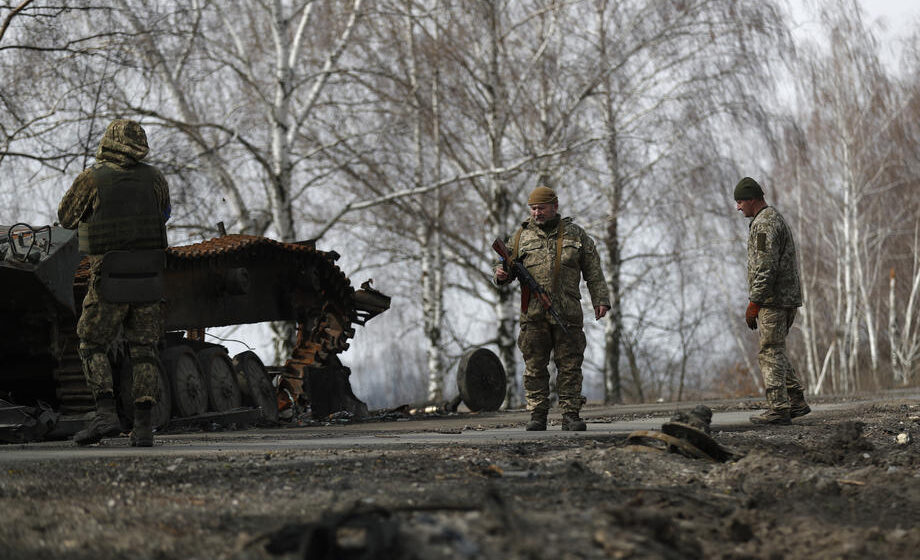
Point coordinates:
pixel 229 280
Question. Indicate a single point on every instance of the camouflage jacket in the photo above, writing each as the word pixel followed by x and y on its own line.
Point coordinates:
pixel 773 269
pixel 80 200
pixel 537 251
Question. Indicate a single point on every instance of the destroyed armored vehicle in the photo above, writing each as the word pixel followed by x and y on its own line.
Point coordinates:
pixel 228 280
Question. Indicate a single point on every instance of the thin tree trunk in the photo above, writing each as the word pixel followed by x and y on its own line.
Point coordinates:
pixel 634 370
pixel 893 339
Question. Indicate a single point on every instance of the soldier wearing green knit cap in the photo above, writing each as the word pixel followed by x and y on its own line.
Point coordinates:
pixel 557 253
pixel 775 294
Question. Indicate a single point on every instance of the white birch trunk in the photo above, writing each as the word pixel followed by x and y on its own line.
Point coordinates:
pixel 910 338
pixel 806 315
pixel 905 342
pixel 894 341
pixel 498 198
pixel 429 231
pixel 850 346
pixel 280 121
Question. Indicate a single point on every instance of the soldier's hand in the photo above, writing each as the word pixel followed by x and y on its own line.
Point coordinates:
pixel 750 315
pixel 600 311
pixel 501 274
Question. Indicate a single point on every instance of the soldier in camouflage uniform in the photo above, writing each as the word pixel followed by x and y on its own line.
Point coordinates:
pixel 775 294
pixel 118 204
pixel 557 253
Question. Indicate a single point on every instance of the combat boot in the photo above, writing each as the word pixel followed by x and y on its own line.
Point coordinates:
pixel 104 423
pixel 572 423
pixel 777 416
pixel 797 411
pixel 537 421
pixel 142 434
pixel 799 406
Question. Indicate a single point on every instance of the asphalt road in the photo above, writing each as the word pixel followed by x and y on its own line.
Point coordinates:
pixel 500 427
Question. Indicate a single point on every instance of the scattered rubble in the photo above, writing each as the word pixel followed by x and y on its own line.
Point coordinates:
pixel 19 424
pixel 835 484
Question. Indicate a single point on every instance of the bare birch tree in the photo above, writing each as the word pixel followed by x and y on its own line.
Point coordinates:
pixel 242 85
pixel 53 63
pixel 846 162
pixel 662 88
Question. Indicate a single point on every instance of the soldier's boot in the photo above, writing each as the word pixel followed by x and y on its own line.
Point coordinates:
pixel 537 421
pixel 104 423
pixel 774 416
pixel 799 407
pixel 571 422
pixel 142 434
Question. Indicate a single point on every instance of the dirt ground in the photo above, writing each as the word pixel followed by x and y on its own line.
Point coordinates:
pixel 835 484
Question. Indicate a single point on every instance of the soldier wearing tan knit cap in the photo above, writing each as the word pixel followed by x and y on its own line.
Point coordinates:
pixel 557 253
pixel 543 195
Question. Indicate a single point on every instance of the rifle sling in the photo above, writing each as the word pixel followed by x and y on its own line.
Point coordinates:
pixel 515 253
pixel 557 264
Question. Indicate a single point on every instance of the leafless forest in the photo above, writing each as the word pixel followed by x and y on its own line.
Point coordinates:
pixel 406 134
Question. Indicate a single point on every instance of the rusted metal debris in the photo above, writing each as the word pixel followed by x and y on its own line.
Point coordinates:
pixel 360 532
pixel 229 280
pixel 21 424
pixel 685 433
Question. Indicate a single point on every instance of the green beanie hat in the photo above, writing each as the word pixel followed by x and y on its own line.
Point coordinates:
pixel 748 189
pixel 542 195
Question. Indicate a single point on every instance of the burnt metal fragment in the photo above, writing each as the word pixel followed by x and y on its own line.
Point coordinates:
pixel 21 424
pixel 229 280
pixel 355 534
pixel 687 434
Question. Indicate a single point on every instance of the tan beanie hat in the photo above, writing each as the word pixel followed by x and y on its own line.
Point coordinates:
pixel 542 195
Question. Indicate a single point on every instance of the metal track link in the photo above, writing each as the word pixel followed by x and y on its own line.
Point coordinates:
pixel 73 393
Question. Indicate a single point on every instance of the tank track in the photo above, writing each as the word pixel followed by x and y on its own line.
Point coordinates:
pixel 74 396
pixel 317 268
pixel 71 389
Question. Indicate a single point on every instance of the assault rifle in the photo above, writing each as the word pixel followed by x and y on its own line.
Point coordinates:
pixel 529 285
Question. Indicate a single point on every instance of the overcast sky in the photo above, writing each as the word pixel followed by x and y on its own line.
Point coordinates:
pixel 899 17
pixel 899 13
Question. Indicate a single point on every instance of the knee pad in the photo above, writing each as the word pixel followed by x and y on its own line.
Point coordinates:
pixel 97 369
pixel 142 353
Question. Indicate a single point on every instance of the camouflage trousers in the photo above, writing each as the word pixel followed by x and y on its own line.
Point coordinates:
pixel 537 341
pixel 140 326
pixel 779 377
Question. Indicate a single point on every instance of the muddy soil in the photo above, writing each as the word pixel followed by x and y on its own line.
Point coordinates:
pixel 836 484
